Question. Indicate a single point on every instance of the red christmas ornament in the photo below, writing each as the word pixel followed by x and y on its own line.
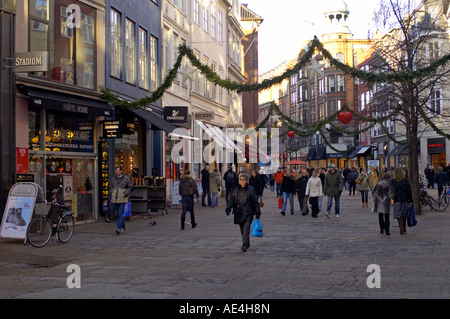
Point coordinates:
pixel 345 117
pixel 291 134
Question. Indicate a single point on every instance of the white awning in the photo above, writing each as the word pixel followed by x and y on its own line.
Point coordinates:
pixel 364 149
pixel 218 136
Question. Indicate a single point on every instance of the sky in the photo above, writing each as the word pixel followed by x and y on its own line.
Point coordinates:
pixel 287 24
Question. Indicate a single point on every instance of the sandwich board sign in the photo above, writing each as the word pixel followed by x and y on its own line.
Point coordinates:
pixel 19 209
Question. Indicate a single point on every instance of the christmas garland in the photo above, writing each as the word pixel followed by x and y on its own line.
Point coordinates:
pixel 315 46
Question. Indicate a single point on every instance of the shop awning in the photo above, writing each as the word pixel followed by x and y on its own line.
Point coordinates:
pixel 320 153
pixel 354 153
pixel 311 154
pixel 218 136
pixel 68 103
pixel 399 150
pixel 363 150
pixel 161 124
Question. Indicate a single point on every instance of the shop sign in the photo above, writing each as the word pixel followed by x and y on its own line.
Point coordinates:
pixel 203 116
pixel 176 114
pixel 36 61
pixel 436 145
pixel 112 129
pixel 21 160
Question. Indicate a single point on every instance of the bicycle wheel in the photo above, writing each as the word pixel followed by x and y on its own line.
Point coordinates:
pixel 65 228
pixel 39 231
pixel 441 203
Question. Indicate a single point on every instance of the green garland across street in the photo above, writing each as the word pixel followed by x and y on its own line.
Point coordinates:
pixel 301 129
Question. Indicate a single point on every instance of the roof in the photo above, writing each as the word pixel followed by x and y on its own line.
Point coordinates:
pixel 247 14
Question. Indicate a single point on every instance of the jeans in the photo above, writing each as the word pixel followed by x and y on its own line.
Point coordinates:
pixel 120 207
pixel 206 193
pixel 291 201
pixel 214 200
pixel 364 196
pixel 336 204
pixel 228 192
pixel 279 189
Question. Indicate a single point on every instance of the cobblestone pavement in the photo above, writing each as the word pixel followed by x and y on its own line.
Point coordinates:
pixel 298 257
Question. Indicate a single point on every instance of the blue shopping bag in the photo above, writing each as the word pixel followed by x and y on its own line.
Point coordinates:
pixel 412 217
pixel 127 211
pixel 257 228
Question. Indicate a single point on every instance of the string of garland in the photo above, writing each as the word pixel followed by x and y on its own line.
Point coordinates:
pixel 315 45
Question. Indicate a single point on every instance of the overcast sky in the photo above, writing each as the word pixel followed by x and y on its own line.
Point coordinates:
pixel 288 23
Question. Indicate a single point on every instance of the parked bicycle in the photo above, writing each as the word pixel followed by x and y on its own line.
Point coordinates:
pixel 440 204
pixel 442 200
pixel 57 222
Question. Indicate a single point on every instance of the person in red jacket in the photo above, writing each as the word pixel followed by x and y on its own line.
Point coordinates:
pixel 278 176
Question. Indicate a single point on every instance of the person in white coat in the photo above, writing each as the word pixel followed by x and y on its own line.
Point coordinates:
pixel 314 191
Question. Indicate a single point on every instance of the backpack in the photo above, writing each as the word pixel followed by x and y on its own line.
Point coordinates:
pixel 230 178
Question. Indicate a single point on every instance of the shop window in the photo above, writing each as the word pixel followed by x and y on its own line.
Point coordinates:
pixel 72 50
pixel 128 149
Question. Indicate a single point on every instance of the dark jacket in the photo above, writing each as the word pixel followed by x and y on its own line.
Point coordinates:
pixel 244 203
pixel 187 186
pixel 205 179
pixel 121 188
pixel 300 186
pixel 333 185
pixel 403 191
pixel 230 182
pixel 441 178
pixel 258 183
pixel 288 184
pixel 351 178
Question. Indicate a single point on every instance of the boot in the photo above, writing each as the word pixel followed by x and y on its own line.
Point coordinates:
pixel 367 205
pixel 363 205
pixel 182 223
pixel 400 225
pixel 404 224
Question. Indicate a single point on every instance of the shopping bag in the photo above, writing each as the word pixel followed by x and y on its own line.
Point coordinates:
pixel 257 228
pixel 280 203
pixel 127 211
pixel 411 217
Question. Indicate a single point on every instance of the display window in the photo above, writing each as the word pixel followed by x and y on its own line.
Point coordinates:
pixel 128 151
pixel 62 160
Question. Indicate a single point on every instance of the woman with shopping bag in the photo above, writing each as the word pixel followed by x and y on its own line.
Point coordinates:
pixel 244 204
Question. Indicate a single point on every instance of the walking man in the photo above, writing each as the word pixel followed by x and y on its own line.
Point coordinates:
pixel 206 186
pixel 121 187
pixel 334 183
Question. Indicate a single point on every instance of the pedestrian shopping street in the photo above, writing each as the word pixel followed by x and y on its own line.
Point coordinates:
pixel 298 257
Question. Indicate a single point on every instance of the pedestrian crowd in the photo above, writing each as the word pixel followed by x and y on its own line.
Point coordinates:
pixel 389 189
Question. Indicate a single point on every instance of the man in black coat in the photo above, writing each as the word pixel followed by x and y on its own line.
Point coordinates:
pixel 205 186
pixel 300 189
pixel 441 179
pixel 258 182
pixel 231 181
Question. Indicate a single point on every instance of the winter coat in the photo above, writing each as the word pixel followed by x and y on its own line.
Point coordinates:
pixel 334 183
pixel 230 181
pixel 187 186
pixel 121 188
pixel 441 178
pixel 205 179
pixel 351 179
pixel 381 197
pixel 402 191
pixel 278 176
pixel 300 186
pixel 363 182
pixel 314 187
pixel 258 183
pixel 244 203
pixel 288 184
pixel 214 182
